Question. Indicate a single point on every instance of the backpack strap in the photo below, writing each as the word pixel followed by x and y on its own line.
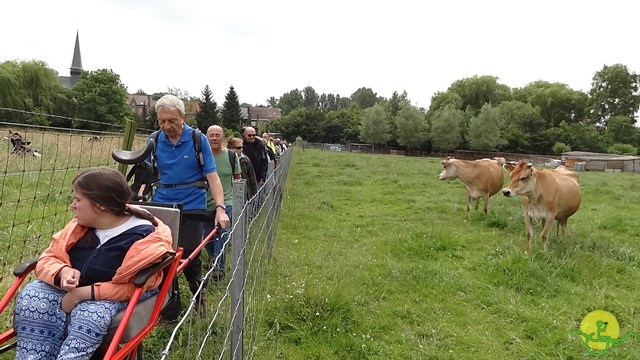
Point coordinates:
pixel 232 161
pixel 197 144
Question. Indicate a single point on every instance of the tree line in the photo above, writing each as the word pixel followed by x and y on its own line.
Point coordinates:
pixel 477 113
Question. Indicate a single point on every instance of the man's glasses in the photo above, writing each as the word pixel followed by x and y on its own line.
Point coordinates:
pixel 251 135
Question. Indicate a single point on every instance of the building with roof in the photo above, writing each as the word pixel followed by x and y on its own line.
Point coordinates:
pixel 76 66
pixel 261 114
pixel 590 161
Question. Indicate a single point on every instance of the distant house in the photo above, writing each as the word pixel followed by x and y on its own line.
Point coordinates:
pixel 76 67
pixel 141 104
pixel 589 161
pixel 261 114
pixel 191 107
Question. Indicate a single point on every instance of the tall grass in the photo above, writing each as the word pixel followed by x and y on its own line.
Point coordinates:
pixel 374 260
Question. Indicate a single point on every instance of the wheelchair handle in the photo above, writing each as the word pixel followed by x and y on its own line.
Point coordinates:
pixel 131 157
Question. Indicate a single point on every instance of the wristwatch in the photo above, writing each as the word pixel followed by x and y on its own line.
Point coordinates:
pixel 222 207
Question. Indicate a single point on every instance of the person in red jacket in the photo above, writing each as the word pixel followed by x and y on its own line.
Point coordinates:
pixel 84 277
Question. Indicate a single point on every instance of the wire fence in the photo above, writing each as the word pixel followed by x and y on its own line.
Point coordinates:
pixel 34 204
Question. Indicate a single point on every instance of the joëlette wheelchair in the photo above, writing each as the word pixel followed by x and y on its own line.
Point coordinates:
pixel 129 327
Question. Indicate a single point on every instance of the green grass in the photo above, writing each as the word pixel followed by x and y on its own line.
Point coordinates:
pixel 373 260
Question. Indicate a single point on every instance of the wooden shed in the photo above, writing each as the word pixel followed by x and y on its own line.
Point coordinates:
pixel 589 161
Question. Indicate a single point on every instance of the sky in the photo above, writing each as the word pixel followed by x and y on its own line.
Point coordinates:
pixel 268 48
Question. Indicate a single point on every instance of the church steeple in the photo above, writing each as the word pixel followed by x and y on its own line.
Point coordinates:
pixel 76 63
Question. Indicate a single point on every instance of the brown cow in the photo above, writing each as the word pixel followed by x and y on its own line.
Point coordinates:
pixel 547 195
pixel 481 178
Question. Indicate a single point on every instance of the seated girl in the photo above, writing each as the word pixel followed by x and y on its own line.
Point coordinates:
pixel 85 275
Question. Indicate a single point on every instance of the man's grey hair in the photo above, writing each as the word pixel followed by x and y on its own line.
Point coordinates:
pixel 171 101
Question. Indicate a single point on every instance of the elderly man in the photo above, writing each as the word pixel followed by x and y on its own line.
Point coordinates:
pixel 181 180
pixel 227 171
pixel 256 152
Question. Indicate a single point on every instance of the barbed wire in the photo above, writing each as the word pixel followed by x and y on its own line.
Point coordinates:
pixel 58 117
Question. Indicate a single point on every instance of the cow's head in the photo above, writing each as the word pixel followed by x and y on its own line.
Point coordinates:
pixel 522 178
pixel 448 172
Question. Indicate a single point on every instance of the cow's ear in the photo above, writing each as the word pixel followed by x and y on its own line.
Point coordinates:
pixel 509 167
pixel 443 162
pixel 529 165
pixel 450 158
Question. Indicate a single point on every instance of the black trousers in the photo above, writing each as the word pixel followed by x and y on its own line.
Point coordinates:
pixel 191 229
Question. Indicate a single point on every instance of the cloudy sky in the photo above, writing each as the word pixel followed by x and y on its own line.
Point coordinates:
pixel 267 48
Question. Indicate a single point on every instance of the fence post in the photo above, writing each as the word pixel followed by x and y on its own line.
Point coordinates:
pixel 238 241
pixel 127 142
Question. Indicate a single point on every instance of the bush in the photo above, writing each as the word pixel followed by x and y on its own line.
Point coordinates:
pixel 559 147
pixel 623 149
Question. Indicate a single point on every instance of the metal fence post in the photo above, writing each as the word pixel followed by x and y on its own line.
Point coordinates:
pixel 238 241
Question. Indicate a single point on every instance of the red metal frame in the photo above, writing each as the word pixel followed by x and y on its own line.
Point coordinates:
pixel 115 351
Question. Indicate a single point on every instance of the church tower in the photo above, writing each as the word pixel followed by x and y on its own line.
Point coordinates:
pixel 76 63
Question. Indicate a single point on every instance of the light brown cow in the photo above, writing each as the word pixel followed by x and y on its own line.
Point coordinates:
pixel 481 178
pixel 547 195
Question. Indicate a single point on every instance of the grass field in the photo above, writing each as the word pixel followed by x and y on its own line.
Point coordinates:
pixel 373 260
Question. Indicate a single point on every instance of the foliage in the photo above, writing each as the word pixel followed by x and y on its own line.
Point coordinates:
pixel 485 132
pixel 522 126
pixel 623 149
pixel 207 115
pixel 446 128
pixel 556 102
pixel 621 129
pixel 374 128
pixel 102 99
pixel 479 90
pixel 614 92
pixel 364 98
pixel 412 129
pixel 31 86
pixel 559 148
pixel 291 101
pixel 231 114
pixel 310 98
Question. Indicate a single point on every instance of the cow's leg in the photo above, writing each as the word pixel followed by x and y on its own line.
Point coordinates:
pixel 544 236
pixel 468 205
pixel 529 231
pixel 485 198
pixel 563 224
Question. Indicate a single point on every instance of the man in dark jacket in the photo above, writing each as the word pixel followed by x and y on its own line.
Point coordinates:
pixel 256 152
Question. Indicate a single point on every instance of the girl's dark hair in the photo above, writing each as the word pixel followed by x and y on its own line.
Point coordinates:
pixel 108 188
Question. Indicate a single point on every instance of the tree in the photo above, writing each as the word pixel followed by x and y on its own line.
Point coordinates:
pixel 484 130
pixel 207 115
pixel 364 97
pixel 140 92
pixel 182 94
pixel 374 128
pixel 522 126
pixel 556 102
pixel 231 114
pixel 291 101
pixel 621 129
pixel 411 126
pixel 272 102
pixel 614 92
pixel 479 90
pixel 310 98
pixel 31 86
pixel 445 132
pixel 102 99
